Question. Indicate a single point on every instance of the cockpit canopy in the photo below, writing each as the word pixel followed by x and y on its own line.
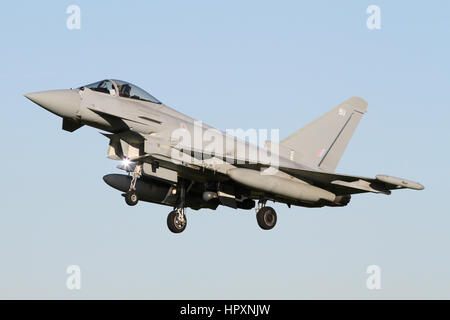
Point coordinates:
pixel 125 90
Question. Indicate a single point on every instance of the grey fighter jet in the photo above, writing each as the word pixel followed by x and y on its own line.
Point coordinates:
pixel 171 159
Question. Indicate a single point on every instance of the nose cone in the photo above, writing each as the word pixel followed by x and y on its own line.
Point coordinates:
pixel 64 103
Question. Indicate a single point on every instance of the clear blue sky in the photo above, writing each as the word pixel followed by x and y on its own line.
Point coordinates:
pixel 232 64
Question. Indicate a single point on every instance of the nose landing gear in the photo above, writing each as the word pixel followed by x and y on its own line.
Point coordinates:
pixel 131 197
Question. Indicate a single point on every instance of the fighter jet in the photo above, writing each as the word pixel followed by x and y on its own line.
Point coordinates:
pixel 171 159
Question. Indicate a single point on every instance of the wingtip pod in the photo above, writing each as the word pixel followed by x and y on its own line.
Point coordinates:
pixel 400 182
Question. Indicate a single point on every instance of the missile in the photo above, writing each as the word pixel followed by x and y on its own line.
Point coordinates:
pixel 400 182
pixel 282 186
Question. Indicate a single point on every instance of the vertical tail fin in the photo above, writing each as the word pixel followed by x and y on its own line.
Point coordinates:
pixel 322 143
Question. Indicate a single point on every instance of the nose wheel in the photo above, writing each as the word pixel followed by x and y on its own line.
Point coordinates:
pixel 176 220
pixel 131 198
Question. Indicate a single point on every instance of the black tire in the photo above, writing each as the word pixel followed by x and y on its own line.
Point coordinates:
pixel 267 218
pixel 131 198
pixel 173 224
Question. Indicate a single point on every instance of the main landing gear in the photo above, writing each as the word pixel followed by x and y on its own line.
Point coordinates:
pixel 176 220
pixel 265 216
pixel 131 197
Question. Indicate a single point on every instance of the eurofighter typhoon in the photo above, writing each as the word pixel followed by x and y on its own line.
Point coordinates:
pixel 173 160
